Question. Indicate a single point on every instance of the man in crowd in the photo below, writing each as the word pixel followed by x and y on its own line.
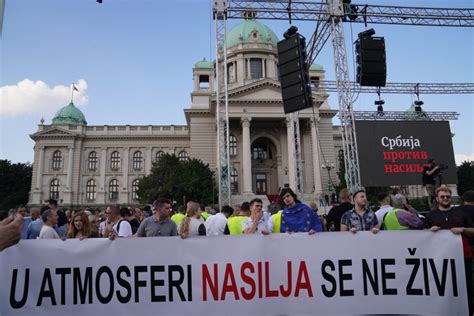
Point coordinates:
pixel 234 223
pixel 429 172
pixel 50 218
pixel 215 225
pixel 455 219
pixel 34 228
pixel 10 230
pixel 21 210
pixel 296 216
pixel 257 223
pixel 118 227
pixel 360 218
pixel 385 207
pixel 159 224
pixel 334 216
pixel 62 223
pixel 400 218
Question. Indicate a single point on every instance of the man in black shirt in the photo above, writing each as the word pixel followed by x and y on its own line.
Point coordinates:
pixel 429 173
pixel 454 219
pixel 333 219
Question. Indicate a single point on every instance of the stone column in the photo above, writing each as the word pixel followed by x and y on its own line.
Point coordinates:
pixel 69 167
pixel 39 176
pixel 148 161
pixel 246 156
pixel 318 188
pixel 290 132
pixel 123 194
pixel 101 195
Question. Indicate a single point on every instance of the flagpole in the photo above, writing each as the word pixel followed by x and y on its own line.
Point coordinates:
pixel 72 93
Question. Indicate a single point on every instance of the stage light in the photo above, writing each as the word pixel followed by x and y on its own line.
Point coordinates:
pixel 379 104
pixel 367 33
pixel 418 105
pixel 290 32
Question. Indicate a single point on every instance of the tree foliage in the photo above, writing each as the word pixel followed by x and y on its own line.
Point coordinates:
pixel 178 180
pixel 15 183
pixel 465 177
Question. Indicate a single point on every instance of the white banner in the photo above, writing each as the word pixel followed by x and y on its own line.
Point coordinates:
pixel 409 272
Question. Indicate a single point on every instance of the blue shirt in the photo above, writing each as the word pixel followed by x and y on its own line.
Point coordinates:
pixel 26 223
pixel 34 229
pixel 299 218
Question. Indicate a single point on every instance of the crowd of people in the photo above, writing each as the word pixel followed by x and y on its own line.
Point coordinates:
pixel 289 216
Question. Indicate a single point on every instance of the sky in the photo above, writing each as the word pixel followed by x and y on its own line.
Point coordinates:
pixel 132 62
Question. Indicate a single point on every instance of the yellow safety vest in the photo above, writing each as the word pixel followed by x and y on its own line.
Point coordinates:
pixel 177 218
pixel 276 222
pixel 205 215
pixel 390 221
pixel 234 224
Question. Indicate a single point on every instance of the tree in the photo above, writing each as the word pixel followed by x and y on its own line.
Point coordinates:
pixel 465 177
pixel 341 173
pixel 15 183
pixel 178 180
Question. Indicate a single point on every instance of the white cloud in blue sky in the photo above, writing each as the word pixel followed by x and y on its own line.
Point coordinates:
pixel 30 97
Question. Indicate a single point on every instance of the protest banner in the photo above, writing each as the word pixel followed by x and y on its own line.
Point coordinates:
pixel 409 272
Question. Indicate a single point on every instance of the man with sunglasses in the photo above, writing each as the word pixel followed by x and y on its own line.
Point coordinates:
pixel 456 220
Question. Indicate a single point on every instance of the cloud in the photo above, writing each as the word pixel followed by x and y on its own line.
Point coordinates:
pixel 460 158
pixel 29 97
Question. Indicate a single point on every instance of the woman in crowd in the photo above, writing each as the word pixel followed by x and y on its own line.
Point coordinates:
pixel 80 226
pixel 192 224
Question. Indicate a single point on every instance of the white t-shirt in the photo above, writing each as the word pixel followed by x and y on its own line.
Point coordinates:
pixel 381 213
pixel 48 232
pixel 215 225
pixel 261 226
pixel 125 228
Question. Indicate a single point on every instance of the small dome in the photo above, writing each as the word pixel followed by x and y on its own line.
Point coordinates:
pixel 411 114
pixel 315 67
pixel 250 31
pixel 204 64
pixel 69 115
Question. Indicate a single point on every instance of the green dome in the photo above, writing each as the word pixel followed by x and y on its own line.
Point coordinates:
pixel 204 64
pixel 245 30
pixel 315 67
pixel 411 114
pixel 69 115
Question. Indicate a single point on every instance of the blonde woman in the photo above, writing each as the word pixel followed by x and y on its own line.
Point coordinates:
pixel 192 224
pixel 80 226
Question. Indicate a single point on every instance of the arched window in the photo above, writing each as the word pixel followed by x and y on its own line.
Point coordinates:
pixel 115 160
pixel 113 189
pixel 54 189
pixel 158 155
pixel 90 190
pixel 234 180
pixel 232 145
pixel 57 160
pixel 261 151
pixel 137 160
pixel 135 184
pixel 183 156
pixel 256 68
pixel 92 161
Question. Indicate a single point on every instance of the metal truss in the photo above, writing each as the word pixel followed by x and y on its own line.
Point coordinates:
pixel 401 88
pixel 404 116
pixel 344 93
pixel 222 107
pixel 330 15
pixel 296 174
pixel 380 14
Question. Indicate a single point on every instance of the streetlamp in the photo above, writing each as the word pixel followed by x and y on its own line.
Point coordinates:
pixel 329 166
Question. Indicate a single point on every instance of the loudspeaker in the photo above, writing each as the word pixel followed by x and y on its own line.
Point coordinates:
pixel 371 61
pixel 294 74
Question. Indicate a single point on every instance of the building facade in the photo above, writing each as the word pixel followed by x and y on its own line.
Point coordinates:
pixel 80 164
